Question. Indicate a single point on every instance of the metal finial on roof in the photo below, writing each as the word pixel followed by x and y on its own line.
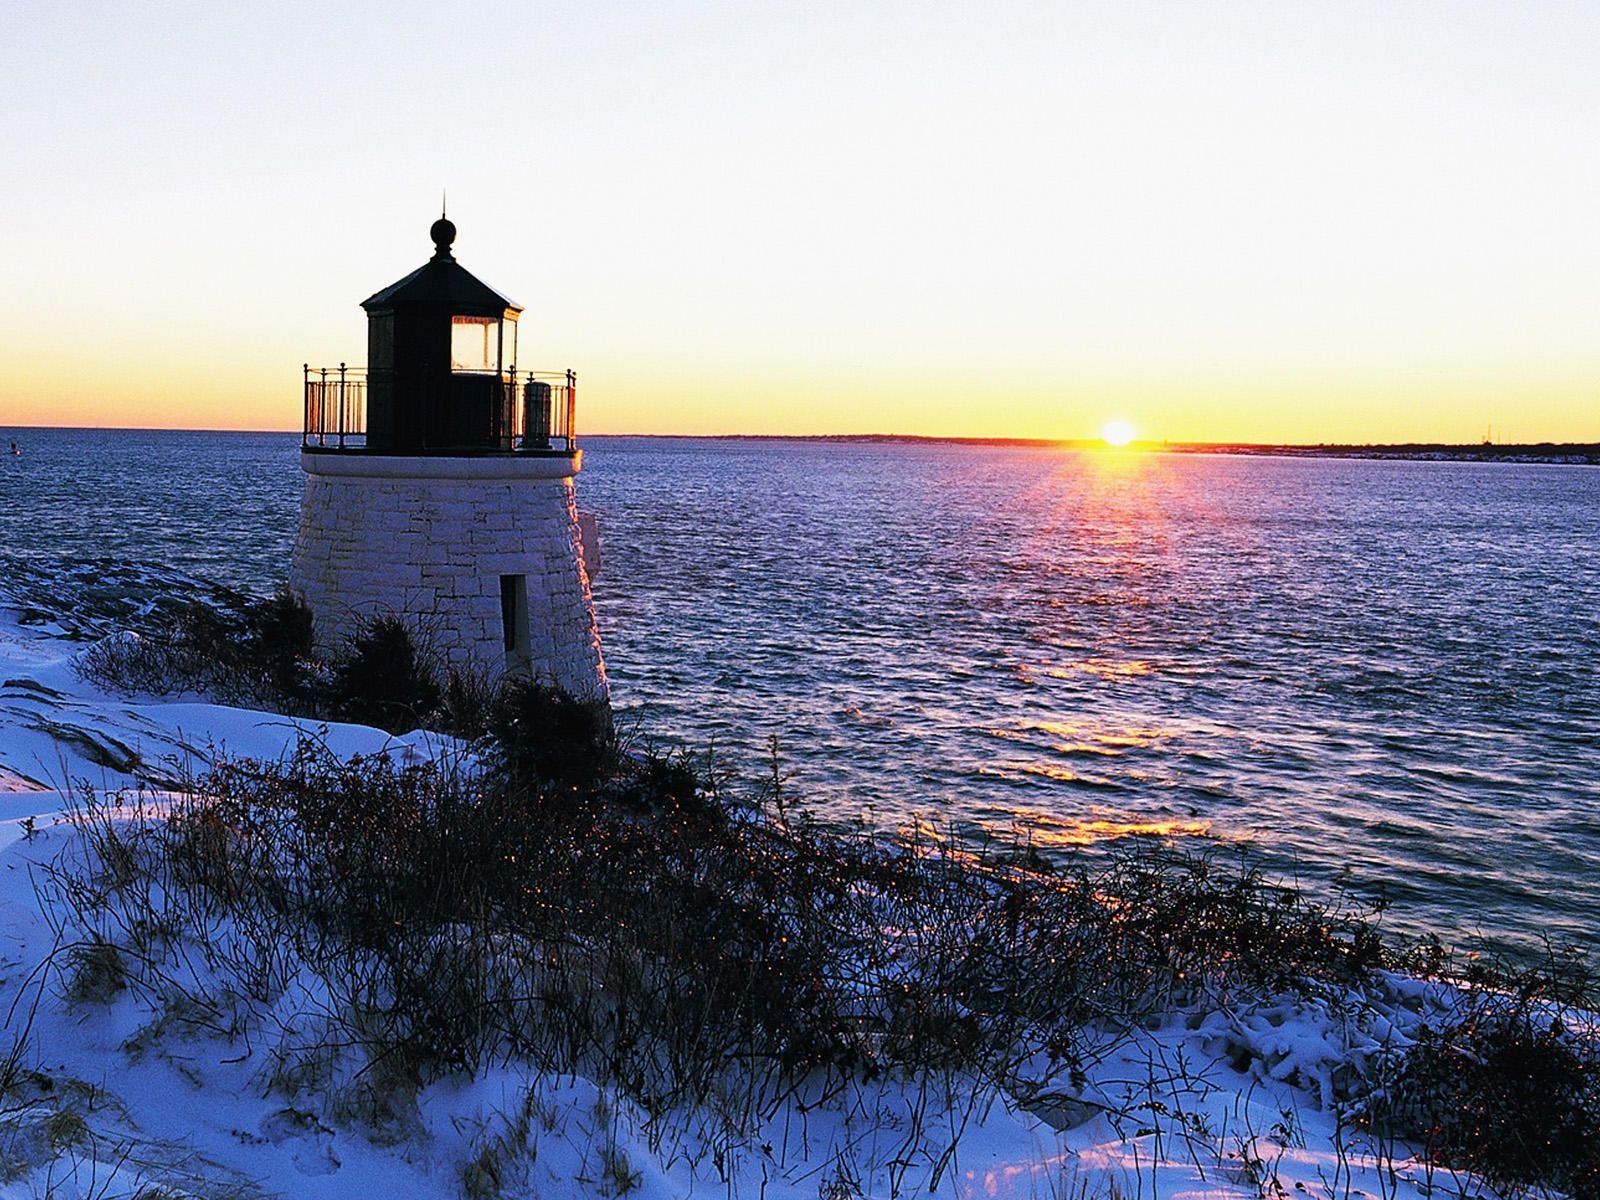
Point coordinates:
pixel 443 233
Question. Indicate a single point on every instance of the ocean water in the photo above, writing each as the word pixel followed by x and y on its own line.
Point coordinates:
pixel 1383 676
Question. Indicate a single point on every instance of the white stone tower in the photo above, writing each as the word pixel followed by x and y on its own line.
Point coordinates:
pixel 439 488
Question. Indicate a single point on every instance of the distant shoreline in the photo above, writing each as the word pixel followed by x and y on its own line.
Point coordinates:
pixel 1557 453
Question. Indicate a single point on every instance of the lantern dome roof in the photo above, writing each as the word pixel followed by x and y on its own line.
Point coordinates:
pixel 442 282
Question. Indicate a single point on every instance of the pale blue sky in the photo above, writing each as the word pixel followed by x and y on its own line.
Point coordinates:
pixel 1262 221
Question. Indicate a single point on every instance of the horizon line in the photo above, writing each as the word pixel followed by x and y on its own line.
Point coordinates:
pixel 959 439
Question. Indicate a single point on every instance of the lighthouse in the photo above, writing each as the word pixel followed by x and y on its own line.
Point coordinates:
pixel 439 488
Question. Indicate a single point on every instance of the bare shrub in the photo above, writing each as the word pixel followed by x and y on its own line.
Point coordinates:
pixel 381 679
pixel 648 930
pixel 1508 1087
pixel 543 736
pixel 250 651
pixel 261 653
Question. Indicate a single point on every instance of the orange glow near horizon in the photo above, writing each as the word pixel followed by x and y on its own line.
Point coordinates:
pixel 622 392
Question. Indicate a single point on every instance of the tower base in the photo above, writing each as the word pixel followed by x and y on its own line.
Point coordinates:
pixel 481 558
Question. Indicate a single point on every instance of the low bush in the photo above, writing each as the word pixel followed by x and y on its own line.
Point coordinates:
pixel 1508 1088
pixel 256 652
pixel 278 643
pixel 381 680
pixel 261 653
pixel 464 701
pixel 542 735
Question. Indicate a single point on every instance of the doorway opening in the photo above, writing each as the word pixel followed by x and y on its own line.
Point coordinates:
pixel 514 621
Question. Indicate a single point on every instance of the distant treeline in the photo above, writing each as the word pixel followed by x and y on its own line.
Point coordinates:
pixel 1473 452
pixel 1545 452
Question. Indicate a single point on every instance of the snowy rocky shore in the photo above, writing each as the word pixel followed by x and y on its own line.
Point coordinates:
pixel 197 1089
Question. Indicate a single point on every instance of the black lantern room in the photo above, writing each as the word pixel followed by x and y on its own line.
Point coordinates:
pixel 441 359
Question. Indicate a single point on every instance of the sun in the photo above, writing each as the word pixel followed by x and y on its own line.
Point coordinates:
pixel 1117 433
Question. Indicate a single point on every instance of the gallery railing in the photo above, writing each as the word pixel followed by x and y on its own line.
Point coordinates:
pixel 336 408
pixel 532 411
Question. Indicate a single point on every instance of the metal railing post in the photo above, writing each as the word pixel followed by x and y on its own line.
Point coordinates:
pixel 572 409
pixel 305 401
pixel 344 407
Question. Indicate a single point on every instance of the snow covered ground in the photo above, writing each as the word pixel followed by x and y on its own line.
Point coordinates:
pixel 123 1091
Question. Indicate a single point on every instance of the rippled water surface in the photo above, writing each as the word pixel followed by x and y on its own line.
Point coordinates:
pixel 1383 672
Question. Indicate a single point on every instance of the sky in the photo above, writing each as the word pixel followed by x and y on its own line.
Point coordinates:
pixel 1275 222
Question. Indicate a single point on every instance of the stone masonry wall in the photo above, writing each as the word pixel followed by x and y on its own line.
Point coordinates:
pixel 432 551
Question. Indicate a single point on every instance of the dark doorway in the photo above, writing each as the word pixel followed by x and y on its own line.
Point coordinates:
pixel 514 619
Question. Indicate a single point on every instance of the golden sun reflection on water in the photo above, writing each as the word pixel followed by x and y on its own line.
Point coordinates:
pixel 1075 738
pixel 1055 832
pixel 1085 739
pixel 1103 668
pixel 1049 832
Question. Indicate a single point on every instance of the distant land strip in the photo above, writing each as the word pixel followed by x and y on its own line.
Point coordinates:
pixel 1563 453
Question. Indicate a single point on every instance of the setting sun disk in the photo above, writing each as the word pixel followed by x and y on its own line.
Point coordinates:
pixel 1117 433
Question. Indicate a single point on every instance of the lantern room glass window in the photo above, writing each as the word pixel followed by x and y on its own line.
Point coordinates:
pixel 482 344
pixel 474 344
